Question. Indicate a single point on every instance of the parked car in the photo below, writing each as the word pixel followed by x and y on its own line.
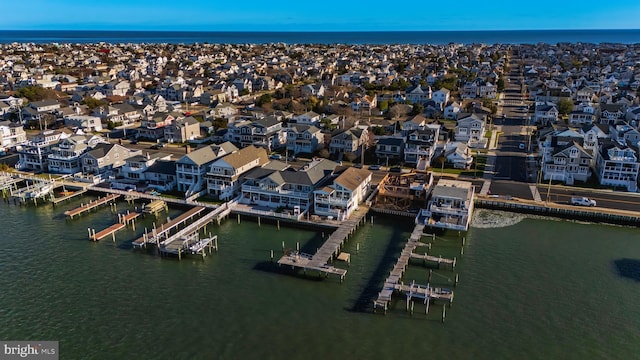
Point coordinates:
pixel 275 157
pixel 395 169
pixel 157 146
pixel 582 201
pixel 357 166
pixel 375 167
pixel 521 146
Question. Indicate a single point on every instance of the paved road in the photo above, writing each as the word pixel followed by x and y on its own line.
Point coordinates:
pixel 515 166
pixel 605 199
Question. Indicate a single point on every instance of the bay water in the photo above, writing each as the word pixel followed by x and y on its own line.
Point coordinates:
pixel 530 288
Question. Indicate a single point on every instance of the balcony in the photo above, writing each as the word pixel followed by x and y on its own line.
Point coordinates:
pixel 448 209
pixel 275 191
pixel 332 201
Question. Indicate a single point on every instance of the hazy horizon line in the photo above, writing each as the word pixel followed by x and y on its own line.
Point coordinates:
pixel 323 31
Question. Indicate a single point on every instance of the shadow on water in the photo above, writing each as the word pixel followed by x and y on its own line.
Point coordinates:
pixel 628 268
pixel 371 289
pixel 273 267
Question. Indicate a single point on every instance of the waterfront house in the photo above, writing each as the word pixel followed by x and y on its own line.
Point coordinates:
pixel 191 168
pixel 288 188
pixel 105 159
pixel 161 175
pixel 65 154
pixel 11 134
pixel 341 197
pixel 223 178
pixel 450 206
pixel 33 154
pixel 567 163
pixel 617 165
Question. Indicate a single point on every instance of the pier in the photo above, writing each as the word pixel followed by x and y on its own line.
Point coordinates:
pixel 190 244
pixel 393 283
pixel 123 220
pixel 183 239
pixel 165 228
pixel 329 250
pixel 67 195
pixel 91 205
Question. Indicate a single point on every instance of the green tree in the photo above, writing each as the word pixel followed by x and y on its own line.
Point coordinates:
pixel 264 99
pixel 500 84
pixel 565 106
pixel 383 105
pixel 92 103
pixel 417 109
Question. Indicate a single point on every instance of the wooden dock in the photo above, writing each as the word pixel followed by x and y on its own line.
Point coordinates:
pixel 183 239
pixel 67 195
pixel 393 283
pixel 191 244
pixel 123 220
pixel 165 228
pixel 329 250
pixel 91 205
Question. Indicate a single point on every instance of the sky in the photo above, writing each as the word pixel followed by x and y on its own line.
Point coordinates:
pixel 326 15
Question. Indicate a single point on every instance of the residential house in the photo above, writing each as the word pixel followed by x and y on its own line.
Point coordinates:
pixel 288 188
pixel 419 94
pixel 303 139
pixel 568 163
pixel 85 122
pixel 152 128
pixel 450 207
pixel 224 176
pixel 546 113
pixel 452 110
pixel 191 168
pixel 11 134
pixel 309 118
pixel 458 154
pixel 65 155
pixel 617 165
pixel 611 113
pixel 441 97
pixel 182 130
pixel 341 197
pixel 349 141
pixel 470 129
pixel 420 146
pixel 33 154
pixel 161 175
pixel 266 132
pixel 389 148
pixel 105 159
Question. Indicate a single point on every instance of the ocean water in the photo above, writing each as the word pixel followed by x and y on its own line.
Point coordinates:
pixel 529 289
pixel 362 37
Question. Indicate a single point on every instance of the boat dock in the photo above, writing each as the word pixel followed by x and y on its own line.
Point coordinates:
pixel 165 228
pixel 190 244
pixel 393 282
pixel 123 220
pixel 7 182
pixel 184 238
pixel 154 207
pixel 329 250
pixel 66 195
pixel 91 205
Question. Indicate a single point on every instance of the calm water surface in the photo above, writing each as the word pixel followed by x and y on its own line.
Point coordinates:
pixel 538 289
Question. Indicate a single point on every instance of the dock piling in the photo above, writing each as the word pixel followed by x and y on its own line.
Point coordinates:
pixel 444 312
pixel 271 255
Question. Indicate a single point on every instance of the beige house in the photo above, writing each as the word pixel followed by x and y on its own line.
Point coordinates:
pixel 182 130
pixel 223 178
pixel 342 197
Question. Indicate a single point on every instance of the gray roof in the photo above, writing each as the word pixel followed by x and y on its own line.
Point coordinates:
pixel 207 154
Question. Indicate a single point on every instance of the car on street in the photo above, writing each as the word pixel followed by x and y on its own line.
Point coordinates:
pixel 157 146
pixel 521 146
pixel 395 169
pixel 275 157
pixel 375 167
pixel 357 166
pixel 582 201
